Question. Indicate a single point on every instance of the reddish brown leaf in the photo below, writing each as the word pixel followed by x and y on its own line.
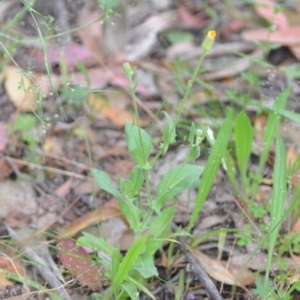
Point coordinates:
pixel 78 262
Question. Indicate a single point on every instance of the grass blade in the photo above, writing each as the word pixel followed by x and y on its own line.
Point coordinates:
pixel 271 126
pixel 212 166
pixel 243 143
pixel 278 199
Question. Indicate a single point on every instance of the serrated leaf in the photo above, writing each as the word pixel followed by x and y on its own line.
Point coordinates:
pixel 104 181
pixel 139 144
pixel 175 181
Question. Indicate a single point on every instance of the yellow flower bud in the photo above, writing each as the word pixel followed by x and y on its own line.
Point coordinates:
pixel 209 40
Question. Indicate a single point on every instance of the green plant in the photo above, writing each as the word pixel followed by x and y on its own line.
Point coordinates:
pixel 149 218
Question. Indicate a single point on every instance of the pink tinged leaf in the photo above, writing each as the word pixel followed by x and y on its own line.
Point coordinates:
pixel 3 137
pixel 121 81
pixel 73 53
pixel 287 37
pixel 189 19
pixel 266 9
pixel 78 262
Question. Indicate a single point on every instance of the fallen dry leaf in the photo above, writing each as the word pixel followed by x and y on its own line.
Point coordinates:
pixel 23 98
pixel 64 189
pixel 284 33
pixel 3 137
pixel 78 262
pixel 116 115
pixel 9 265
pixel 223 271
pixel 266 9
pixel 296 227
pixel 288 36
pixel 108 211
pixel 17 196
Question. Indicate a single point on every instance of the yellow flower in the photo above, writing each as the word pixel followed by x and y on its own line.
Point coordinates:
pixel 211 34
pixel 209 40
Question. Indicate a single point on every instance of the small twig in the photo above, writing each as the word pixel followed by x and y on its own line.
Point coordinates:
pixel 39 167
pixel 198 271
pixel 40 264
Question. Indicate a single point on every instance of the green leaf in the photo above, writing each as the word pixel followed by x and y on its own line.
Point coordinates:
pixel 29 138
pixel 25 122
pixel 175 181
pixel 159 229
pixel 145 265
pixel 229 167
pixel 139 144
pixel 243 142
pixel 193 154
pixel 169 133
pixel 273 122
pixel 126 187
pixel 278 199
pixel 96 243
pixel 175 36
pixel 131 290
pixel 132 214
pixel 116 259
pixel 137 178
pixel 141 287
pixel 212 166
pixel 104 181
pixel 192 134
pixel 126 265
pixel 289 114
